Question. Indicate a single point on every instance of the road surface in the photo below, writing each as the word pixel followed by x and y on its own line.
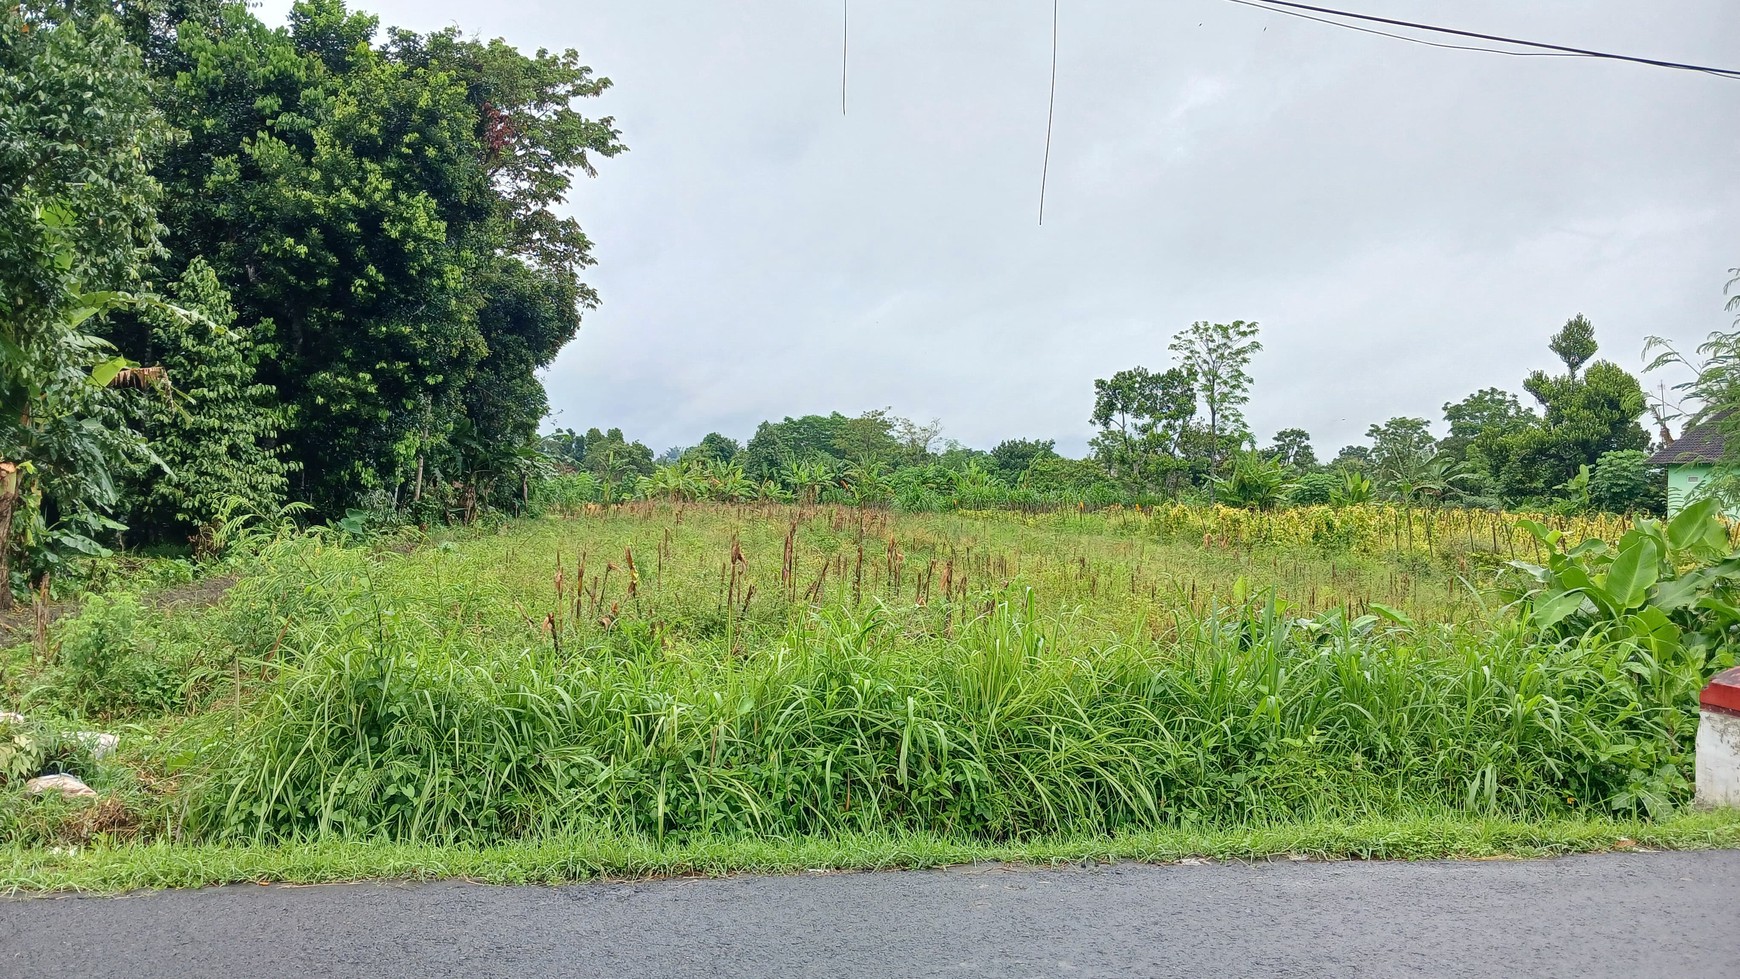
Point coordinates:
pixel 1618 915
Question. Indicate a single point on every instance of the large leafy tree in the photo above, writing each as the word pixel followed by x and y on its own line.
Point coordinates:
pixel 714 448
pixel 1488 412
pixel 775 445
pixel 1586 411
pixel 382 216
pixel 1408 463
pixel 332 190
pixel 1012 457
pixel 77 225
pixel 1218 357
pixel 1292 447
pixel 868 439
pixel 615 460
pixel 1481 426
pixel 1400 436
pixel 531 141
pixel 1354 458
pixel 915 438
pixel 1144 419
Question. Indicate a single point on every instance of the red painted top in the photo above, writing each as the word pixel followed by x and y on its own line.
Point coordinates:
pixel 1723 693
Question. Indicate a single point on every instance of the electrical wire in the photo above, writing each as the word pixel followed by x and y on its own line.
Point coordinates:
pixel 845 12
pixel 1403 37
pixel 1050 109
pixel 1545 49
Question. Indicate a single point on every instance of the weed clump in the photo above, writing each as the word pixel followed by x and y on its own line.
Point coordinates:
pixel 118 659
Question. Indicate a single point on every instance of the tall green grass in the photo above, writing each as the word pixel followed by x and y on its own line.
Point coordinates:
pixel 420 699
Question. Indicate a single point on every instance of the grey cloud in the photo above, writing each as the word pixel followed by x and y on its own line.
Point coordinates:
pixel 1408 224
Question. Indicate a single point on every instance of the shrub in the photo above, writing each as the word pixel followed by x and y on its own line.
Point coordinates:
pixel 1622 482
pixel 23 750
pixel 1314 489
pixel 566 492
pixel 1054 474
pixel 1255 482
pixel 114 660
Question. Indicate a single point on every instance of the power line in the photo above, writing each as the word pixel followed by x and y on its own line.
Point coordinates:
pixel 844 12
pixel 1403 37
pixel 1275 6
pixel 1050 108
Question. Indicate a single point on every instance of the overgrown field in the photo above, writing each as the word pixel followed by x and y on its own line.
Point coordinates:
pixel 681 673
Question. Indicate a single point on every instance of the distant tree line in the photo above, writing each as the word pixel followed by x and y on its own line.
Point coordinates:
pixel 1179 433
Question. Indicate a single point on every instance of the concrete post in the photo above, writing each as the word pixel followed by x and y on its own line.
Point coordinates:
pixel 1719 741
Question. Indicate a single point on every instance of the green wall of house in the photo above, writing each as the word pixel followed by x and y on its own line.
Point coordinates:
pixel 1684 481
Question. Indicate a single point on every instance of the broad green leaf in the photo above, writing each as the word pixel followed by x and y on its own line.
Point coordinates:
pixel 1652 626
pixel 1678 593
pixel 1716 537
pixel 1721 608
pixel 57 215
pixel 1534 571
pixel 1690 525
pixel 1631 538
pixel 1393 615
pixel 106 371
pixel 1573 577
pixel 1634 571
pixel 1552 609
pixel 1541 532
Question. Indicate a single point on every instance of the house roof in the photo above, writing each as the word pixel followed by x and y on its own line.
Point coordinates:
pixel 1700 443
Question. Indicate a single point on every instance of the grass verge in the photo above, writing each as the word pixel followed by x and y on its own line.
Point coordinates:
pixel 567 859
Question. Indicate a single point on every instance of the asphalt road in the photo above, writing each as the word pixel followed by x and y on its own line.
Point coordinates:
pixel 1622 915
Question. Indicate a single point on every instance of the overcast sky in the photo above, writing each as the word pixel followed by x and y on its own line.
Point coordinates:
pixel 1407 224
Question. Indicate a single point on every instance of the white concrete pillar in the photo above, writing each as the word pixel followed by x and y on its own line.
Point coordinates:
pixel 1719 741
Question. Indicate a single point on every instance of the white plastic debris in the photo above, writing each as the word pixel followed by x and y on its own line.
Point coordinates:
pixel 66 785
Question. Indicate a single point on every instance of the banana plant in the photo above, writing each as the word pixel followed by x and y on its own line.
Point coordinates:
pixel 1673 587
pixel 809 480
pixel 62 437
pixel 869 485
pixel 1254 481
pixel 727 481
pixel 680 481
pixel 1355 489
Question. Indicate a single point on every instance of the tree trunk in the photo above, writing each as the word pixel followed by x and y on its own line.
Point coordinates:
pixel 8 503
pixel 1213 450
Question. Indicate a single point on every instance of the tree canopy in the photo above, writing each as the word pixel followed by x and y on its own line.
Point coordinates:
pixel 380 211
pixel 360 229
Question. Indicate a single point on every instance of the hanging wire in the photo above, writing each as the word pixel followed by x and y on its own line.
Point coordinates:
pixel 844 14
pixel 1540 46
pixel 1050 109
pixel 1259 5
